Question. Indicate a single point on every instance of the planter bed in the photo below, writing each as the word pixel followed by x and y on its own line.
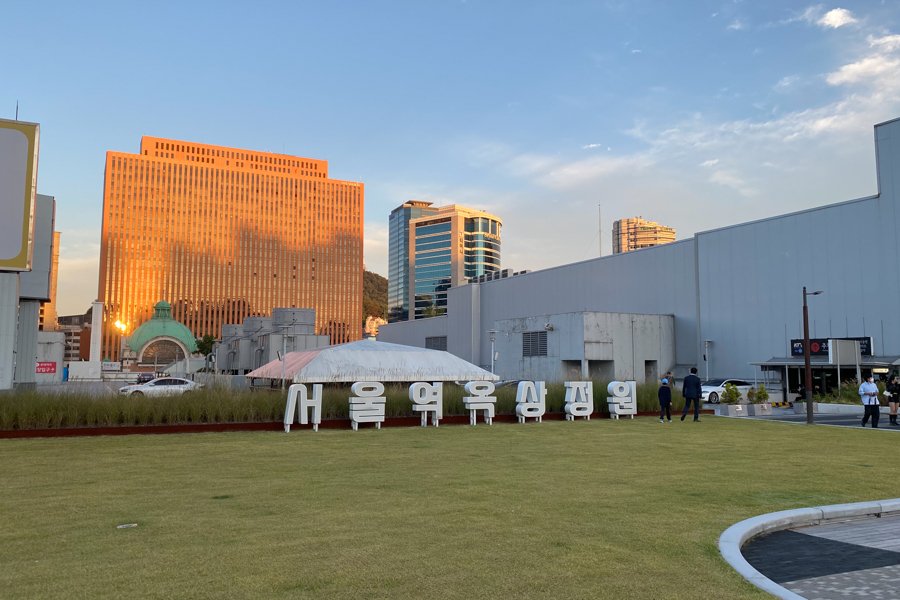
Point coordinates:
pixel 264 426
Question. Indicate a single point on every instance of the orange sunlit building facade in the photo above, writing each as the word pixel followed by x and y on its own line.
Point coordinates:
pixel 222 234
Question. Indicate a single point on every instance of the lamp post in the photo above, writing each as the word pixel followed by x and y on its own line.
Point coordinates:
pixel 284 337
pixel 493 333
pixel 810 419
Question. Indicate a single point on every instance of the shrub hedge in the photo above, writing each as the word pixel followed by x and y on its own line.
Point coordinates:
pixel 36 409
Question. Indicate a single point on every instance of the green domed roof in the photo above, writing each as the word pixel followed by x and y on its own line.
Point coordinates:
pixel 162 324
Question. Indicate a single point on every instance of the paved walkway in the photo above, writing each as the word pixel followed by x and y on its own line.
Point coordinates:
pixel 850 559
pixel 787 415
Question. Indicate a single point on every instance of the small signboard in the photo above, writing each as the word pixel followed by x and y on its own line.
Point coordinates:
pixel 110 367
pixel 819 346
pixel 45 367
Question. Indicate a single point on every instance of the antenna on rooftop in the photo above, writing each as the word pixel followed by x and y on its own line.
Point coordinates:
pixel 600 234
pixel 17 110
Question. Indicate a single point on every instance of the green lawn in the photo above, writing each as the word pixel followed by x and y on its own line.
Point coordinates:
pixel 599 509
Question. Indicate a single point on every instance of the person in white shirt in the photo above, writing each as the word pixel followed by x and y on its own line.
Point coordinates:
pixel 868 393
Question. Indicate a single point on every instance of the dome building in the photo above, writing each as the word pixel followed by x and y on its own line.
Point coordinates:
pixel 160 341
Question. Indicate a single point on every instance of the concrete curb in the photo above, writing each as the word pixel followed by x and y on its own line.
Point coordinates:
pixel 733 538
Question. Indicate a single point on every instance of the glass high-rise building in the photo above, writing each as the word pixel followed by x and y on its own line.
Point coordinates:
pixel 446 247
pixel 224 233
pixel 398 256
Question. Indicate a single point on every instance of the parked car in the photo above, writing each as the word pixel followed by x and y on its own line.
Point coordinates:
pixel 164 386
pixel 145 377
pixel 712 390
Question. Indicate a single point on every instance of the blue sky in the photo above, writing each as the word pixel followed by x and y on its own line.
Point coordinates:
pixel 697 115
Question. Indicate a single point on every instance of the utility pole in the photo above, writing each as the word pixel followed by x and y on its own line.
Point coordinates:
pixel 810 419
pixel 600 234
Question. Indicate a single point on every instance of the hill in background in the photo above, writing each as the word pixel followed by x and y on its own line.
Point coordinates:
pixel 374 295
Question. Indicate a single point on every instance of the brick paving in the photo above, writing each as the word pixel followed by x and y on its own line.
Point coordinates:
pixel 850 559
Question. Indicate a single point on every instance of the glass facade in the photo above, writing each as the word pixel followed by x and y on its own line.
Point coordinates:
pixel 433 272
pixel 222 234
pixel 482 246
pixel 451 247
pixel 398 257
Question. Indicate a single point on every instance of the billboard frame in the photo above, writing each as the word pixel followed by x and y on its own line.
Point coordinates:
pixel 32 131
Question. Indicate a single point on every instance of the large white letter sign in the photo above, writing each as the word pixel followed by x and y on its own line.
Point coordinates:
pixel 622 399
pixel 428 399
pixel 579 399
pixel 298 390
pixel 480 398
pixel 531 400
pixel 368 405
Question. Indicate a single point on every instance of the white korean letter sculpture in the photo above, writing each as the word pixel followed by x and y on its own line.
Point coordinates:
pixel 299 392
pixel 367 403
pixel 622 399
pixel 531 400
pixel 428 398
pixel 579 399
pixel 480 398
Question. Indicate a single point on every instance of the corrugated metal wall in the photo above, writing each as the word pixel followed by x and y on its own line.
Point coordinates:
pixel 745 283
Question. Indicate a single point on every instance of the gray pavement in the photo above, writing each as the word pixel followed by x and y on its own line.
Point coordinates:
pixel 788 416
pixel 850 559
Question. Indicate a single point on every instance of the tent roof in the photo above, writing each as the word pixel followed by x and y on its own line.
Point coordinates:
pixel 369 360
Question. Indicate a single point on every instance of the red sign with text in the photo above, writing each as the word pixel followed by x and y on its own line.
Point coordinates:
pixel 45 367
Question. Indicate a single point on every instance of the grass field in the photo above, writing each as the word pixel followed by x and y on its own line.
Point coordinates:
pixel 599 509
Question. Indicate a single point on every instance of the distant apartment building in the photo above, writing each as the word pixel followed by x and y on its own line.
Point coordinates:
pixel 225 233
pixel 434 251
pixel 370 330
pixel 633 234
pixel 77 329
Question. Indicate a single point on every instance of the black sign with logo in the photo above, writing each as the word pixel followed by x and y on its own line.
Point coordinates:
pixel 819 346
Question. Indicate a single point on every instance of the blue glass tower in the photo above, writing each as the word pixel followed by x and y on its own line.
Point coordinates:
pixel 398 256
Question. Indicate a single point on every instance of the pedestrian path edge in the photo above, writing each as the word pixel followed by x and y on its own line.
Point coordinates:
pixel 733 538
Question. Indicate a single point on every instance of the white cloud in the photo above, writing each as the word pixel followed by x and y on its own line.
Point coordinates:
pixel 867 68
pixel 731 180
pixel 589 146
pixel 592 170
pixel 786 82
pixel 635 51
pixel 888 43
pixel 709 163
pixel 837 18
pixel 736 25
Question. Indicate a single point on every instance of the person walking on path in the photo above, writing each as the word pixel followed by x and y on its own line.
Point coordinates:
pixel 894 400
pixel 691 390
pixel 868 393
pixel 665 401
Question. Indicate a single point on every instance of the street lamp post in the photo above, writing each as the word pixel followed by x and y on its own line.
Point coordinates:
pixel 810 419
pixel 284 337
pixel 493 333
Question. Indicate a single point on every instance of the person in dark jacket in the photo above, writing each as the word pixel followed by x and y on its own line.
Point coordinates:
pixel 691 390
pixel 665 401
pixel 894 401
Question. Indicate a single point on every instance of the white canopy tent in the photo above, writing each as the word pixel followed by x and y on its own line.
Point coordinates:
pixel 369 360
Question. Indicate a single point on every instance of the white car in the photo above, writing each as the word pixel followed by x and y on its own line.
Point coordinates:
pixel 712 390
pixel 163 386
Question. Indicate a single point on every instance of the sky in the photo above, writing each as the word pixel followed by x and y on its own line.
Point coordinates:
pixel 696 115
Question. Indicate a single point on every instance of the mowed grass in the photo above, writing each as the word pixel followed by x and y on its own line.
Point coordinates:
pixel 599 509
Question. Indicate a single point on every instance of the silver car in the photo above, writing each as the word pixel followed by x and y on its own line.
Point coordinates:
pixel 162 386
pixel 714 388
